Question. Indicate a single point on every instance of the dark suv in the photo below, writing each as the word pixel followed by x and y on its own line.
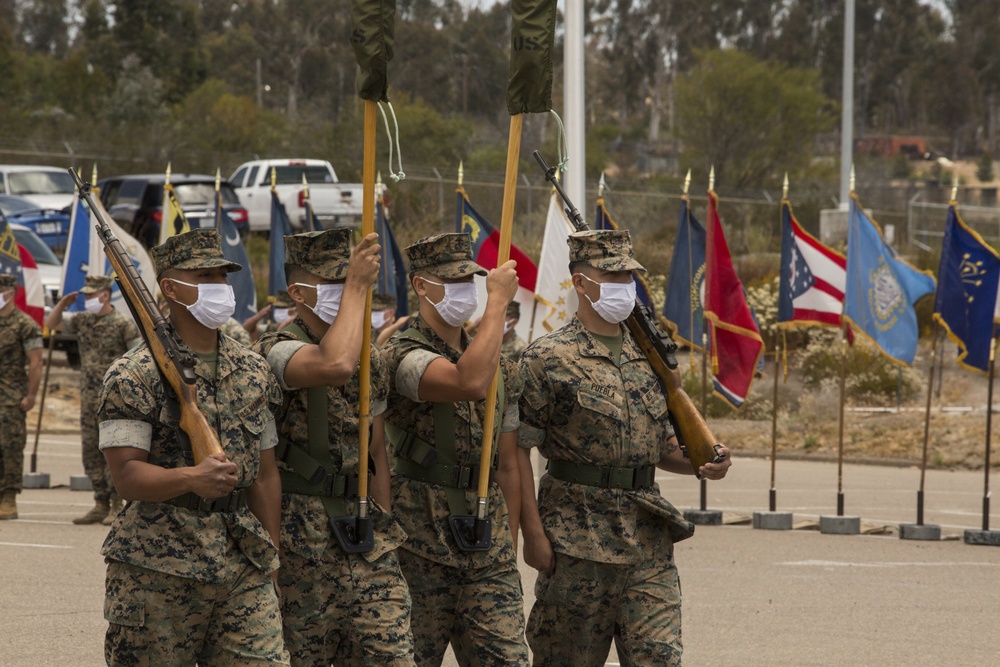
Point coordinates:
pixel 136 203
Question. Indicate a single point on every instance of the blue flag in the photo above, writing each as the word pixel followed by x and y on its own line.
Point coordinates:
pixel 967 291
pixel 234 251
pixel 392 272
pixel 682 307
pixel 881 289
pixel 604 221
pixel 76 263
pixel 280 228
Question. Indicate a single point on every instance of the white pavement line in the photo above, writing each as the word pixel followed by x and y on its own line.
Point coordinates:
pixel 53 523
pixel 837 563
pixel 37 546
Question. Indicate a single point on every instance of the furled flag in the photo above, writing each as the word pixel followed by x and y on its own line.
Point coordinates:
pixel 312 222
pixel 280 228
pixel 604 221
pixel 233 250
pixel 172 219
pixel 734 339
pixel 485 249
pixel 372 38
pixel 533 30
pixel 392 270
pixel 967 291
pixel 881 289
pixel 812 278
pixel 76 261
pixel 30 295
pixel 554 294
pixel 683 305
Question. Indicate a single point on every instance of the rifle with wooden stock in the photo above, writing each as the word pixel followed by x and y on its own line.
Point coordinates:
pixel 692 432
pixel 176 364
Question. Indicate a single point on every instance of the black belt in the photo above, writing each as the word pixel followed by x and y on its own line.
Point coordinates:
pixel 231 502
pixel 456 477
pixel 605 477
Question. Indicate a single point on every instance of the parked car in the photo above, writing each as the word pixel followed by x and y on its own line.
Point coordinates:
pixel 50 273
pixel 136 202
pixel 46 187
pixel 334 204
pixel 50 225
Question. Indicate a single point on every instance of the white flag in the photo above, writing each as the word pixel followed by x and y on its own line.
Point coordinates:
pixel 554 294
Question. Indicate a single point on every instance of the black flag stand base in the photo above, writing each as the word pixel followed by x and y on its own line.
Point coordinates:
pixel 985 537
pixel 354 533
pixel 919 530
pixel 473 533
pixel 702 516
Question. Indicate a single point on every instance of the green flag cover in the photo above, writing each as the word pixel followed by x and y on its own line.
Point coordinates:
pixel 372 26
pixel 532 39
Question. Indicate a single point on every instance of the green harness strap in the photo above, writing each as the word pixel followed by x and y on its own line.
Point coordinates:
pixel 438 463
pixel 310 474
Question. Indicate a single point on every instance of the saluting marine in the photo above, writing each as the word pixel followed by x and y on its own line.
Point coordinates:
pixel 434 423
pixel 103 335
pixel 601 535
pixel 191 558
pixel 337 607
pixel 20 344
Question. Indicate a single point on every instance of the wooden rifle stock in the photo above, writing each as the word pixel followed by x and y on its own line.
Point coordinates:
pixel 690 428
pixel 175 364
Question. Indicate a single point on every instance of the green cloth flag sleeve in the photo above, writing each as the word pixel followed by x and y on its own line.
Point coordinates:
pixel 532 39
pixel 372 27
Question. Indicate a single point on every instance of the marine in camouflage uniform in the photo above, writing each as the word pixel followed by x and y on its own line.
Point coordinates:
pixel 513 346
pixel 438 381
pixel 20 344
pixel 235 330
pixel 337 607
pixel 601 534
pixel 102 335
pixel 190 556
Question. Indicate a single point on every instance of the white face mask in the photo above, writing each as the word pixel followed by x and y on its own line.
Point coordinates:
pixel 616 301
pixel 506 328
pixel 379 319
pixel 93 305
pixel 459 302
pixel 327 300
pixel 3 300
pixel 280 315
pixel 216 303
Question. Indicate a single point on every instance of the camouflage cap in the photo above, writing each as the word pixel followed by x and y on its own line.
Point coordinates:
pixel 7 280
pixel 282 300
pixel 444 255
pixel 324 253
pixel 95 284
pixel 514 310
pixel 197 249
pixel 608 250
pixel 382 301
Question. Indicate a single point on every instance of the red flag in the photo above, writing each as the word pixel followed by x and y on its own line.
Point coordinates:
pixel 30 296
pixel 486 243
pixel 735 341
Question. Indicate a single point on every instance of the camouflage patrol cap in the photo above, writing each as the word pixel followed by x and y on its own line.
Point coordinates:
pixel 608 250
pixel 382 301
pixel 325 253
pixel 95 284
pixel 7 280
pixel 444 255
pixel 514 310
pixel 197 249
pixel 283 300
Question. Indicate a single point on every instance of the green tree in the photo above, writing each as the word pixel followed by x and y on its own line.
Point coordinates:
pixel 752 120
pixel 984 168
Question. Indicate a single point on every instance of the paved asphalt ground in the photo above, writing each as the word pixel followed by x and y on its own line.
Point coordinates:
pixel 751 597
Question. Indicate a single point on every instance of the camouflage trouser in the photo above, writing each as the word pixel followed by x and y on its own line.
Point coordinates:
pixel 94 463
pixel 583 604
pixel 481 612
pixel 345 610
pixel 13 437
pixel 158 619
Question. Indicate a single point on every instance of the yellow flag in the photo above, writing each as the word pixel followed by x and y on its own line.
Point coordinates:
pixel 173 220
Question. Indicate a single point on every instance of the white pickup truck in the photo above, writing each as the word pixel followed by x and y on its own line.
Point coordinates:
pixel 335 204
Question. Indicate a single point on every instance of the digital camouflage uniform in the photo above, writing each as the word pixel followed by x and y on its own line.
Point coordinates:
pixel 101 339
pixel 513 347
pixel 19 334
pixel 614 575
pixel 189 585
pixel 471 599
pixel 345 609
pixel 235 330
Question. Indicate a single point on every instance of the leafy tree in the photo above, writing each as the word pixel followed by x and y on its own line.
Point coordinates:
pixel 984 169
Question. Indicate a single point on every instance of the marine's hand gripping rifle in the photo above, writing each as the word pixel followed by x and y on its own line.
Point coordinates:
pixel 690 428
pixel 176 364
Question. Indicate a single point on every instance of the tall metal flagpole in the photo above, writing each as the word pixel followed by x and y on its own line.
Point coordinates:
pixel 574 180
pixel 847 107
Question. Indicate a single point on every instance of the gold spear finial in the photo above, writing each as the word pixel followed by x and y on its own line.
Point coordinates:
pixel 711 179
pixel 274 177
pixel 852 178
pixel 954 185
pixel 461 173
pixel 600 186
pixel 167 181
pixel 784 187
pixel 93 175
pixel 378 182
pixel 305 186
pixel 687 182
pixel 218 179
